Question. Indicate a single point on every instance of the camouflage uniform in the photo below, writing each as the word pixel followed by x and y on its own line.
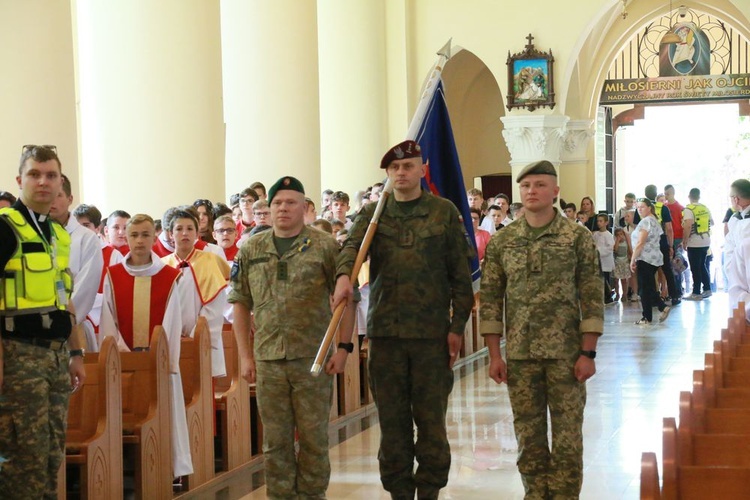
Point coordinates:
pixel 418 270
pixel 289 296
pixel 33 397
pixel 548 288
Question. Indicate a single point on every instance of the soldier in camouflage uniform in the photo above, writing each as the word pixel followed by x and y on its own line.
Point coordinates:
pixel 285 277
pixel 40 361
pixel 418 270
pixel 541 284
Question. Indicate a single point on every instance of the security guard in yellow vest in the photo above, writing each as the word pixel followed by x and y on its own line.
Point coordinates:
pixel 696 226
pixel 40 361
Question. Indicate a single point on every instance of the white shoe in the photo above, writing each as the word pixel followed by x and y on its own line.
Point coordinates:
pixel 664 314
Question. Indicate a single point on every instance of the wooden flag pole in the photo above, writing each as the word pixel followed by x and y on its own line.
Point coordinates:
pixel 333 326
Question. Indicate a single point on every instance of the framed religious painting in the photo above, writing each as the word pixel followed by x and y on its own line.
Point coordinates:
pixel 531 78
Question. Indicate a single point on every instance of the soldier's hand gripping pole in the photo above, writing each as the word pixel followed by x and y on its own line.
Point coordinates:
pixel 333 326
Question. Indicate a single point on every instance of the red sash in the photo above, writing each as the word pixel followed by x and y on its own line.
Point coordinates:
pixel 160 250
pixel 231 252
pixel 123 286
pixel 200 244
pixel 107 253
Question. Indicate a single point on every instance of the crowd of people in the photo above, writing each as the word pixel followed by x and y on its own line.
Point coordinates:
pixel 273 265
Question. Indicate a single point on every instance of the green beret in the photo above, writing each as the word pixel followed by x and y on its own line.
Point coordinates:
pixel 285 183
pixel 542 167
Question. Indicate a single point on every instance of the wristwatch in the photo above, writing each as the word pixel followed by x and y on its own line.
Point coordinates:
pixel 589 354
pixel 348 347
pixel 77 352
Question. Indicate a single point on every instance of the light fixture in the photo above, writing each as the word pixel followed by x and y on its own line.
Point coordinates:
pixel 671 37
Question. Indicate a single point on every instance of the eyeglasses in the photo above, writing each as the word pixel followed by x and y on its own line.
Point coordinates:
pixel 261 214
pixel 30 147
pixel 226 230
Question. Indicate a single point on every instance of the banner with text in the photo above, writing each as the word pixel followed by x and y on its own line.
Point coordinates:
pixel 676 88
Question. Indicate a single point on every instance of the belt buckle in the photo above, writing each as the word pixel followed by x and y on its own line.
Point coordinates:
pixel 56 345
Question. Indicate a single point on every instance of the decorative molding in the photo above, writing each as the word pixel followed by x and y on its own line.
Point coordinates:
pixel 548 137
pixel 578 134
pixel 532 138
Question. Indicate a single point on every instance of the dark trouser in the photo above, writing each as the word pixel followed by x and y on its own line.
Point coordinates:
pixel 33 412
pixel 647 289
pixel 699 268
pixel 533 387
pixel 674 292
pixel 607 286
pixel 410 382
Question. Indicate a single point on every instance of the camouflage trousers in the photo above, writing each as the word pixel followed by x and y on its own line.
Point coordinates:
pixel 33 411
pixel 533 387
pixel 290 397
pixel 410 382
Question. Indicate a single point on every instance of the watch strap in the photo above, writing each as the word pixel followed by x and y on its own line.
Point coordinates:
pixel 588 354
pixel 348 347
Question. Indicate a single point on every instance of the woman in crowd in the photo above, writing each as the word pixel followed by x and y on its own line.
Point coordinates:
pixel 587 206
pixel 646 259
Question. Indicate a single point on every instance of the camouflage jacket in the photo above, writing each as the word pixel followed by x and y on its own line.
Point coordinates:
pixel 289 294
pixel 419 268
pixel 548 289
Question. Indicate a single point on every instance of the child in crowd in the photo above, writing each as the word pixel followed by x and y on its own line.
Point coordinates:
pixel 605 243
pixel 623 253
pixel 582 218
pixel 628 219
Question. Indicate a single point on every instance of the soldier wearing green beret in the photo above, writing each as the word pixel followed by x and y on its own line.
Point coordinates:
pixel 541 284
pixel 419 270
pixel 286 276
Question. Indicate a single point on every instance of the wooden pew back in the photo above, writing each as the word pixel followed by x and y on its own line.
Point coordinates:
pixel 195 372
pixel 146 416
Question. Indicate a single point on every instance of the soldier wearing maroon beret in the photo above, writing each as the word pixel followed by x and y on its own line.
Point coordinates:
pixel 419 270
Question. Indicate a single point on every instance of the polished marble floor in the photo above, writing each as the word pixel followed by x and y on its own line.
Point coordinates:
pixel 640 371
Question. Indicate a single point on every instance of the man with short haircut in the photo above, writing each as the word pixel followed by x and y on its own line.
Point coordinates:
pixel 310 213
pixel 627 207
pixel 86 259
pixel 676 210
pixel 570 211
pixel 738 233
pixel 475 198
pixel 130 317
pixel 89 217
pixel 325 200
pixel 113 253
pixel 225 234
pixel 541 284
pixel 116 231
pixel 285 277
pixel 205 277
pixel 696 223
pixel 6 199
pixel 420 300
pixel 501 203
pixel 339 207
pixel 165 245
pixel 248 197
pixel 259 189
pixel 41 360
pixel 376 191
pixel 261 213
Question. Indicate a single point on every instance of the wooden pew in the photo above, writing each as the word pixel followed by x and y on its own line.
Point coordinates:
pixel 649 477
pixel 93 445
pixel 195 372
pixel 232 395
pixel 348 382
pixel 146 417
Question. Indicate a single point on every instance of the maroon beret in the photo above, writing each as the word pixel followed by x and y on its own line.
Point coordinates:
pixel 402 150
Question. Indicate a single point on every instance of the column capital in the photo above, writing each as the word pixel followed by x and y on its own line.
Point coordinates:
pixel 577 136
pixel 532 138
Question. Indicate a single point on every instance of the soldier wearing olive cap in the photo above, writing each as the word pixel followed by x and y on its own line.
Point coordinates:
pixel 285 276
pixel 419 272
pixel 541 284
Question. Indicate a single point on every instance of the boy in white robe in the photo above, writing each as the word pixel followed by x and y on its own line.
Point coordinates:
pixel 140 293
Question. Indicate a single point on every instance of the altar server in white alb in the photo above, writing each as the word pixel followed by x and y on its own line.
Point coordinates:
pixel 140 293
pixel 204 283
pixel 86 261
